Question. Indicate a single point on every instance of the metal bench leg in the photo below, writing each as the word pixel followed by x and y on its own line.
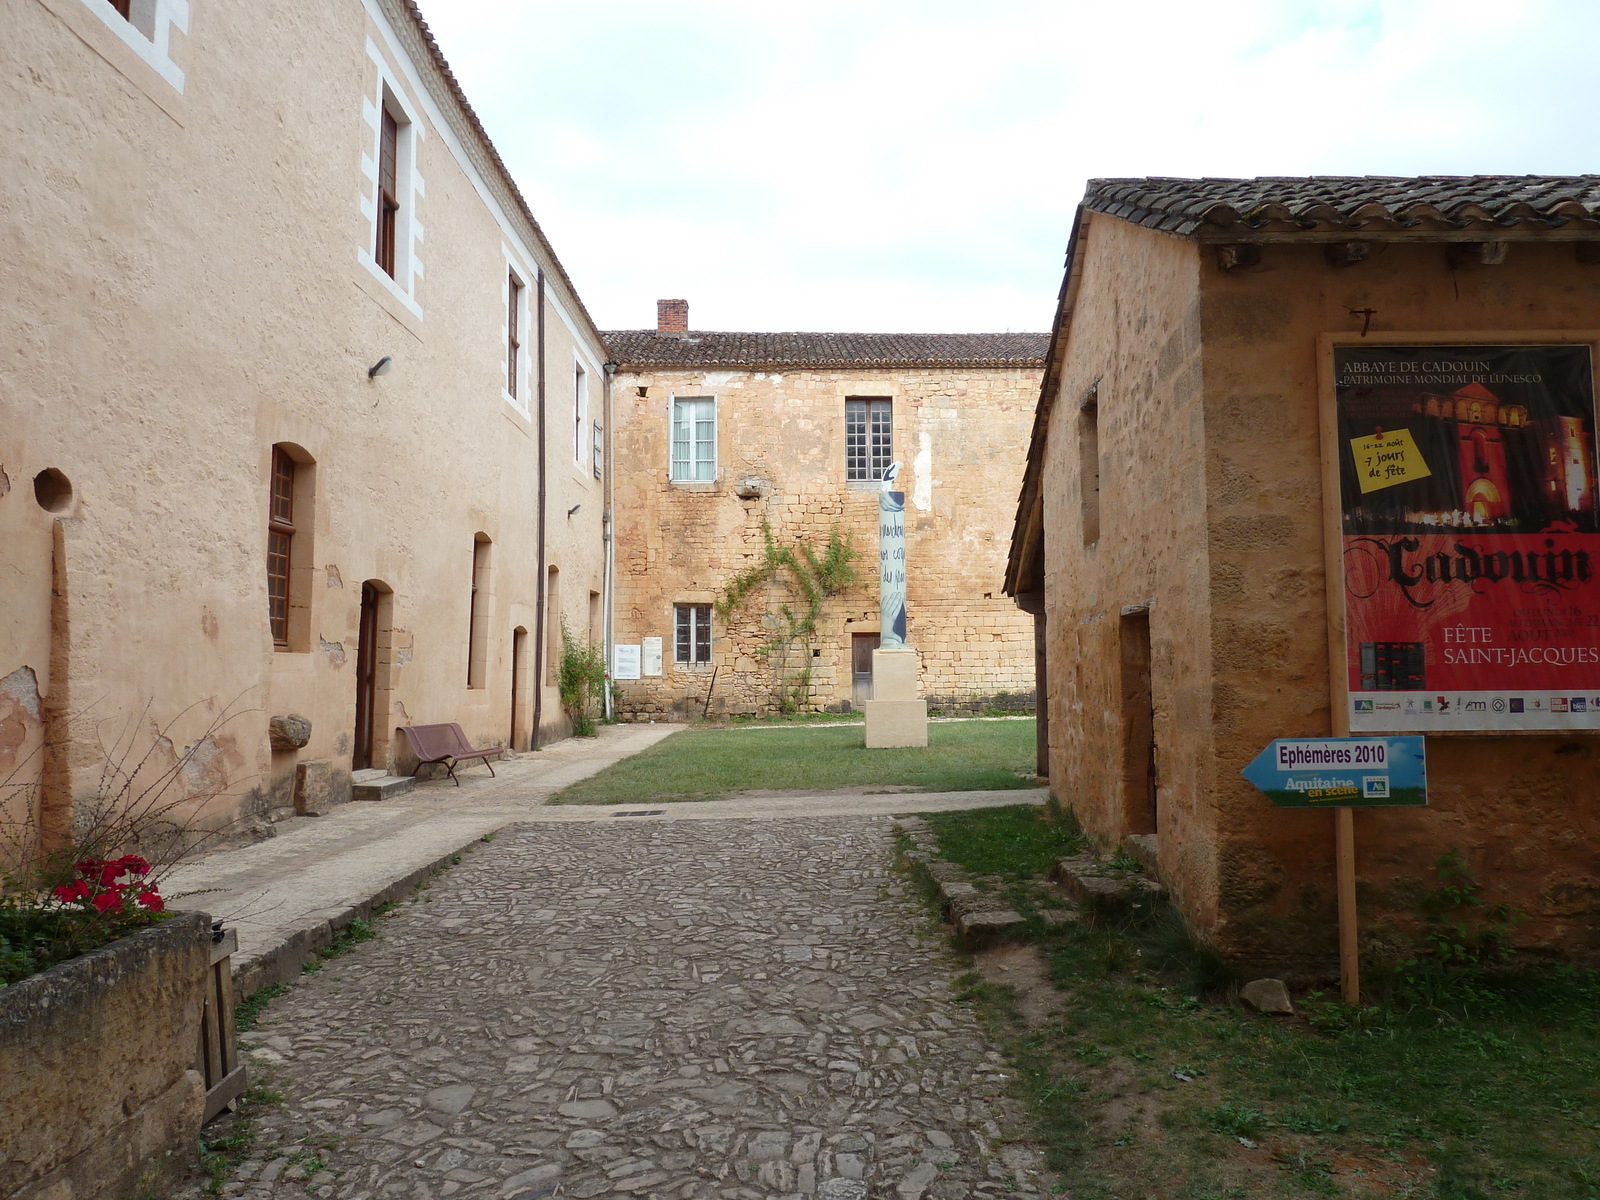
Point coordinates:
pixel 451 767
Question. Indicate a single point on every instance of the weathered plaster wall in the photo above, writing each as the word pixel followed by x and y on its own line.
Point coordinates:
pixel 194 296
pixel 962 435
pixel 1134 340
pixel 1521 809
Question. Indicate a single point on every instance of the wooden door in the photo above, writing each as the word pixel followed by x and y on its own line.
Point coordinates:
pixel 366 678
pixel 861 647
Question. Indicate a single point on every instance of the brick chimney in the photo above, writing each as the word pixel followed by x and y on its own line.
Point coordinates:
pixel 672 317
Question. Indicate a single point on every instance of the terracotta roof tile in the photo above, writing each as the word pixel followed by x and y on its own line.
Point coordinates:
pixel 645 347
pixel 1365 203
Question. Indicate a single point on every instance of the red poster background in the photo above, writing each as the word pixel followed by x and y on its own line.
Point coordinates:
pixel 1486 631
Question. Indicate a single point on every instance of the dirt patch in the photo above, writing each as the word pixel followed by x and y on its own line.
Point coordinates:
pixel 1022 968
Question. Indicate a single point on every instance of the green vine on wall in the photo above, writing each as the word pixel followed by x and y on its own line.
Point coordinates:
pixel 812 577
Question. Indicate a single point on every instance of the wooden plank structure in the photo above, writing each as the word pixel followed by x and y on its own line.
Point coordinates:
pixel 217 1057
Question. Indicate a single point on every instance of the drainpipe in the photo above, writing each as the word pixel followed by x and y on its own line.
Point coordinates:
pixel 538 620
pixel 610 534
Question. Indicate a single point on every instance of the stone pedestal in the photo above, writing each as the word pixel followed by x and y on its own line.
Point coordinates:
pixel 895 717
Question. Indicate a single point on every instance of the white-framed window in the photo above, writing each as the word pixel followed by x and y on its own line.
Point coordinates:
pixel 580 415
pixel 145 26
pixel 390 165
pixel 694 438
pixel 691 642
pixel 599 449
pixel 868 438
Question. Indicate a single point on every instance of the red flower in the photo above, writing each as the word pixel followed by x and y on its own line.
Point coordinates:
pixel 71 893
pixel 109 873
pixel 88 866
pixel 134 865
pixel 152 900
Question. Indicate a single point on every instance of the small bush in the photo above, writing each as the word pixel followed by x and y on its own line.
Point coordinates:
pixel 581 680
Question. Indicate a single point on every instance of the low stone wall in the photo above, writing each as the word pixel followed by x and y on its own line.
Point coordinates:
pixel 97 1079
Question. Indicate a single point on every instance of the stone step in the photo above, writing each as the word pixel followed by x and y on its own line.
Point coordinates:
pixel 384 787
pixel 368 774
pixel 988 923
pixel 1095 888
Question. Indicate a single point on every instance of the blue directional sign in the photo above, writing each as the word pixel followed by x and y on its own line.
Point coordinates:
pixel 1342 772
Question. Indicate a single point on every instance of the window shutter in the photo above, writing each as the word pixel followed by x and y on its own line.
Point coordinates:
pixel 513 317
pixel 388 195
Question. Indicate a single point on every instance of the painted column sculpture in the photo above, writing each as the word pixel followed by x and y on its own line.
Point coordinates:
pixel 895 716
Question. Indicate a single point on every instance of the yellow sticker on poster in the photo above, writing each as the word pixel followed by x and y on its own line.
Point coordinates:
pixel 1387 458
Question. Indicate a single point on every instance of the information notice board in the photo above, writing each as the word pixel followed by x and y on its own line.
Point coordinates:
pixel 1471 536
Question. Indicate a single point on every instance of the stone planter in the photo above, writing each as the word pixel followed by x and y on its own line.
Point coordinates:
pixel 97 1056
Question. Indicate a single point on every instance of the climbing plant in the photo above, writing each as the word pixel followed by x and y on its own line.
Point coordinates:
pixel 811 577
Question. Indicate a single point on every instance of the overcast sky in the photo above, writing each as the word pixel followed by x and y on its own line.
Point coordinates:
pixel 913 165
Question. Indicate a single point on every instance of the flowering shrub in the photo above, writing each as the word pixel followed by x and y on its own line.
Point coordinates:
pixel 100 885
pixel 66 891
pixel 106 899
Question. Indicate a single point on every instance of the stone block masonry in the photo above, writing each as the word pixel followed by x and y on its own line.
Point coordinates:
pixel 96 1068
pixel 960 432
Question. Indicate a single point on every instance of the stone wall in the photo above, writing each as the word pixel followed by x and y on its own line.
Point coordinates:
pixel 1135 347
pixel 97 1056
pixel 961 433
pixel 1519 807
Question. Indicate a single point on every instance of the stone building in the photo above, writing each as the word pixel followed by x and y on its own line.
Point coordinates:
pixel 722 435
pixel 300 413
pixel 1182 539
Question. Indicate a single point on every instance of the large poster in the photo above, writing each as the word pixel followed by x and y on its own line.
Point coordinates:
pixel 1471 537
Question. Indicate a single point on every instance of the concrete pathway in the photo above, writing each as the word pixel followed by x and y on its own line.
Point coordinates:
pixel 288 896
pixel 695 1009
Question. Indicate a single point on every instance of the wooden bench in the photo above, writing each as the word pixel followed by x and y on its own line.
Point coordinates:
pixel 448 745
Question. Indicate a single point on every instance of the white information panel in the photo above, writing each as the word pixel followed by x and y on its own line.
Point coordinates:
pixel 624 662
pixel 651 651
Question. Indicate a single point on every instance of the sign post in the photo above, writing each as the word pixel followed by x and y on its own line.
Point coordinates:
pixel 1343 773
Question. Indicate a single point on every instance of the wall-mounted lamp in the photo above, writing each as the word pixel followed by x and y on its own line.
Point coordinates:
pixel 572 510
pixel 382 367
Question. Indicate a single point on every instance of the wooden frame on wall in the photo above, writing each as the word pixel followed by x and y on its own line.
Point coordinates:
pixel 1332 510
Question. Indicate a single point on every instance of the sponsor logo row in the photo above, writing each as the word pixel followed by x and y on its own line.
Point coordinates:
pixel 1448 705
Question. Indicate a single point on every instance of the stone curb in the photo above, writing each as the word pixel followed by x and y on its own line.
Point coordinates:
pixel 980 916
pixel 301 944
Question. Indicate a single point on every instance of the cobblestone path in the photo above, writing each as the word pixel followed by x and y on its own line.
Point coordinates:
pixel 738 1009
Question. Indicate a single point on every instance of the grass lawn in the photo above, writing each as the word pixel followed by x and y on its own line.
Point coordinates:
pixel 1147 1079
pixel 713 764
